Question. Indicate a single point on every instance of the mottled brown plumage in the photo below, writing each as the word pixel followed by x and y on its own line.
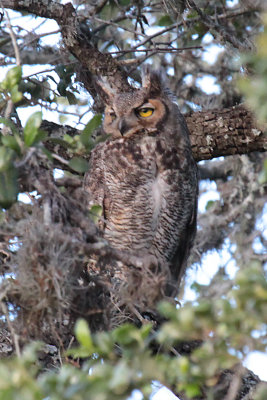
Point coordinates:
pixel 145 177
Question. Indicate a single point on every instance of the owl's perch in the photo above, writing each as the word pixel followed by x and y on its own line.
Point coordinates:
pixel 213 133
pixel 224 132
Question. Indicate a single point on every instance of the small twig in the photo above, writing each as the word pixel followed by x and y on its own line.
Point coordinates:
pixel 37 37
pixel 47 70
pixel 8 111
pixel 120 18
pixel 12 35
pixel 140 60
pixel 148 38
pixel 9 106
pixel 37 73
pixel 119 26
pixel 28 155
pixel 60 159
pixel 40 103
pixel 157 50
pixel 98 7
pixel 212 23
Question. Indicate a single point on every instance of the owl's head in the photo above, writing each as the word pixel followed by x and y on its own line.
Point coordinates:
pixel 137 111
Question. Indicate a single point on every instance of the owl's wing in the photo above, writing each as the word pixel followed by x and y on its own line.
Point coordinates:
pixel 176 222
pixel 185 242
pixel 94 184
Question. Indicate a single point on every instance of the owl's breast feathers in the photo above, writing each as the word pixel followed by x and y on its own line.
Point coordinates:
pixel 148 189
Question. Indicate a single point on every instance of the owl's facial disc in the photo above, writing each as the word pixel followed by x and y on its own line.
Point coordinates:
pixel 126 120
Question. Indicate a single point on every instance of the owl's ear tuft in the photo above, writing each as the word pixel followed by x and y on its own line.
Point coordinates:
pixel 153 81
pixel 105 90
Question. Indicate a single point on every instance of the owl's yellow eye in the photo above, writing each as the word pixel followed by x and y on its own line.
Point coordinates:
pixel 145 112
pixel 113 116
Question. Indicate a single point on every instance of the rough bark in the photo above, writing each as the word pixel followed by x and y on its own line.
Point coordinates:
pixel 213 133
pixel 224 132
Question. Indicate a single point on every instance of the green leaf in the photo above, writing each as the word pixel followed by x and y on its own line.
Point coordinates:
pixel 263 174
pixel 209 204
pixel 165 21
pixel 11 142
pixel 61 87
pixel 78 164
pixel 192 390
pixel 63 119
pixel 204 308
pixel 7 157
pixel 31 129
pixel 16 95
pixel 101 138
pixel 68 140
pixel 13 77
pixel 10 124
pixel 104 343
pixel 145 330
pixel 71 97
pixel 92 125
pixel 79 352
pixel 167 309
pixel 83 335
pixel 129 335
pixel 61 142
pixel 121 378
pixel 47 153
pixel 192 14
pixel 184 365
pixel 122 334
pixel 96 212
pixel 41 135
pixel 8 186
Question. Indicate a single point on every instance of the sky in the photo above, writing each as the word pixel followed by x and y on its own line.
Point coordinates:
pixel 255 361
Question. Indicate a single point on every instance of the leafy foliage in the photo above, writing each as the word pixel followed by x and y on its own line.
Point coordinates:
pixel 120 361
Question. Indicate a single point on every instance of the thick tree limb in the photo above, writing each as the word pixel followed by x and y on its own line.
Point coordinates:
pixel 213 133
pixel 224 132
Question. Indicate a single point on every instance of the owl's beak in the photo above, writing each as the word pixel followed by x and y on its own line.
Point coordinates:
pixel 124 127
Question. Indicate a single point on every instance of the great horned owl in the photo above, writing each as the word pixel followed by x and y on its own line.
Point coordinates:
pixel 145 177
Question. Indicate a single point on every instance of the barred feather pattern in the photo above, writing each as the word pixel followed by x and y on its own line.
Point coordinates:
pixel 145 179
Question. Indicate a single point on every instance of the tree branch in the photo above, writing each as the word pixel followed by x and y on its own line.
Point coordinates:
pixel 213 133
pixel 76 37
pixel 224 132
